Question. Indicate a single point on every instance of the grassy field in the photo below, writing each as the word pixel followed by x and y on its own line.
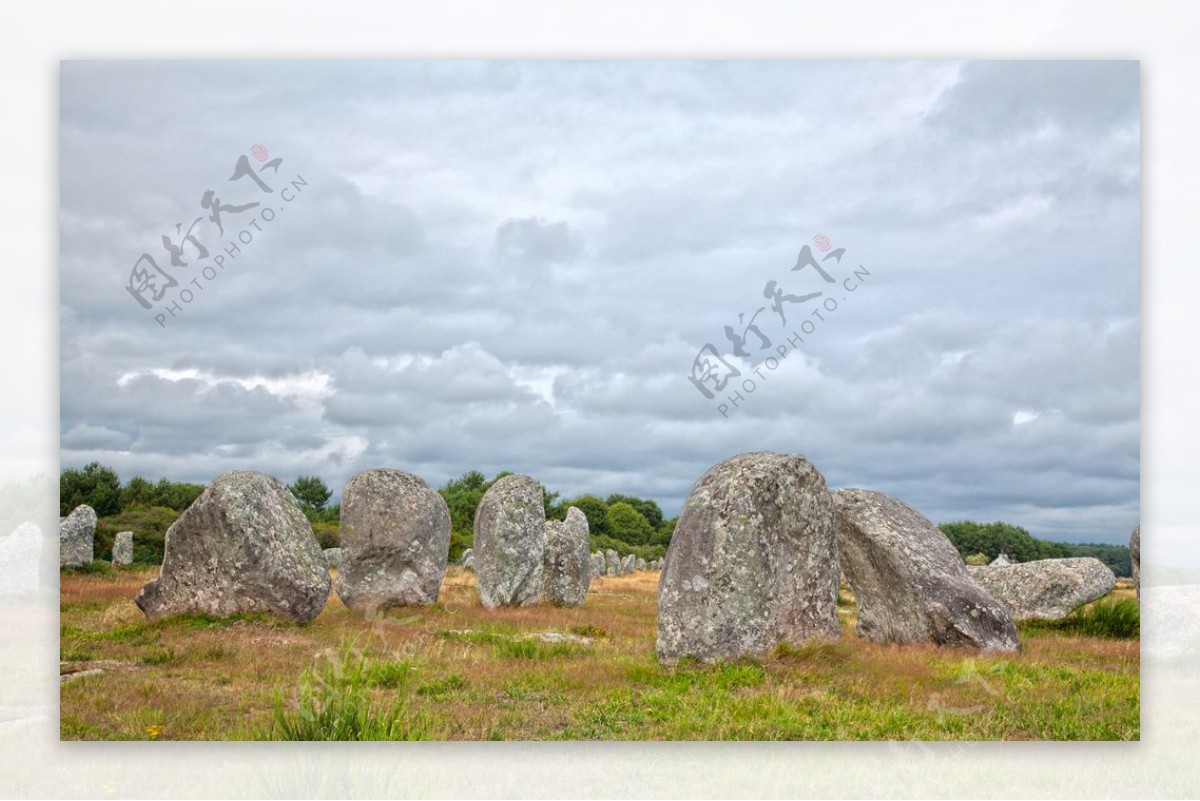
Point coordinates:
pixel 458 671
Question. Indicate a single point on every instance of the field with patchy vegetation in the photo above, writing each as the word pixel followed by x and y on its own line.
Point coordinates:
pixel 459 671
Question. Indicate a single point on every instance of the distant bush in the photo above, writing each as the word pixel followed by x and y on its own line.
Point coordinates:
pixel 328 534
pixel 977 559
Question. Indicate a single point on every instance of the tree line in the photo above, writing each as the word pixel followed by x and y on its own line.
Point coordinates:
pixel 625 523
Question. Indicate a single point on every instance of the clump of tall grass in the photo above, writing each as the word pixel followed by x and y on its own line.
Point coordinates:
pixel 339 699
pixel 1111 618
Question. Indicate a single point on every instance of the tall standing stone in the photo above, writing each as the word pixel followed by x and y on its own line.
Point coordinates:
pixel 77 537
pixel 395 538
pixel 510 541
pixel 908 579
pixel 627 564
pixel 243 546
pixel 122 550
pixel 599 565
pixel 1135 558
pixel 612 563
pixel 752 563
pixel 567 569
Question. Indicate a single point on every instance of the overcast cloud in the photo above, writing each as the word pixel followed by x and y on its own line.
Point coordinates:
pixel 512 266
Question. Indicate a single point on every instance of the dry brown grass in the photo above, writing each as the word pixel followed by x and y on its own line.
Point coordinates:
pixel 480 674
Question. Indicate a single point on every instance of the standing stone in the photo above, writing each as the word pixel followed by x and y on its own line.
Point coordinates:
pixel 20 558
pixel 566 569
pixel 909 581
pixel 333 557
pixel 598 565
pixel 752 563
pixel 395 533
pixel 467 556
pixel 122 550
pixel 1047 589
pixel 243 546
pixel 1000 561
pixel 1135 558
pixel 627 564
pixel 612 563
pixel 510 540
pixel 640 564
pixel 77 537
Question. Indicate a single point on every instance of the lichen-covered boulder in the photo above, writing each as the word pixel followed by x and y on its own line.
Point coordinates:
pixel 122 550
pixel 612 563
pixel 243 546
pixel 1047 589
pixel 77 537
pixel 510 542
pixel 395 537
pixel 909 581
pixel 333 557
pixel 1135 556
pixel 627 564
pixel 567 566
pixel 640 564
pixel 753 561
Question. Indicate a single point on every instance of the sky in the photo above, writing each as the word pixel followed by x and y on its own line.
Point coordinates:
pixel 519 266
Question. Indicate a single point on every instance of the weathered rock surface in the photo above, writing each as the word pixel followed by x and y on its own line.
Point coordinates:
pixel 333 557
pixel 243 546
pixel 510 541
pixel 640 564
pixel 908 579
pixel 567 565
pixel 395 536
pixel 612 563
pixel 1000 561
pixel 598 565
pixel 1046 589
pixel 20 559
pixel 752 563
pixel 77 537
pixel 1135 556
pixel 627 564
pixel 468 559
pixel 122 550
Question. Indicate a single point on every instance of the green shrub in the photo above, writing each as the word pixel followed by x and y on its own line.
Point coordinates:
pixel 149 526
pixel 328 534
pixel 334 701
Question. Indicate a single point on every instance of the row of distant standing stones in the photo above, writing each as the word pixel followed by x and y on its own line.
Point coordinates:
pixel 758 555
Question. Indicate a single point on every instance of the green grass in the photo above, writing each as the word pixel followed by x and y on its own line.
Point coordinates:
pixel 1114 618
pixel 334 701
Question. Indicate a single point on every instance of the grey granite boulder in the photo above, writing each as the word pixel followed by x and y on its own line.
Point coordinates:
pixel 1047 589
pixel 627 564
pixel 908 579
pixel 612 563
pixel 122 550
pixel 243 546
pixel 1135 557
pixel 567 565
pixel 20 558
pixel 1000 561
pixel 510 541
pixel 753 561
pixel 77 537
pixel 599 565
pixel 395 537
pixel 333 557
pixel 640 564
pixel 468 559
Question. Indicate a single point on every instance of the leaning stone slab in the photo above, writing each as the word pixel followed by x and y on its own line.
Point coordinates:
pixel 243 546
pixel 510 541
pixel 1047 589
pixel 753 561
pixel 567 568
pixel 122 550
pixel 77 537
pixel 395 536
pixel 908 579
